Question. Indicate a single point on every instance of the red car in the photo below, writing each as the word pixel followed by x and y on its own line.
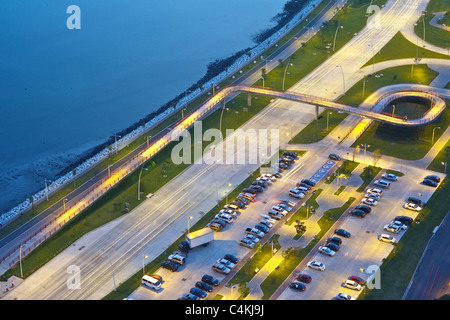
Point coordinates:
pixel 303 278
pixel 358 280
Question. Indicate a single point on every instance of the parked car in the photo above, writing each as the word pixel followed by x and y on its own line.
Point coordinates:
pixel 297 286
pixel 204 286
pixel 220 268
pixel 357 213
pixel 254 232
pixel 189 296
pixel 285 207
pixel 404 219
pixel 386 238
pixel 373 196
pixel 198 292
pixel 228 218
pixel 292 154
pixel 267 223
pixel 288 202
pixel 215 227
pixel 433 178
pixel 352 285
pixel 390 228
pixel 169 266
pixel 226 263
pixel 262 227
pixel 364 208
pixel 316 265
pixel 336 240
pixel 251 237
pixel 304 185
pixel 390 176
pixel 399 225
pixel 308 181
pixel 370 202
pixel 250 190
pixel 417 201
pixel 210 280
pixel 302 189
pixel 247 243
pixel 334 157
pixel 343 296
pixel 296 194
pixel 375 190
pixel 275 215
pixel 342 233
pixel 238 203
pixel 280 210
pixel 333 246
pixel 327 251
pixel 303 277
pixel 231 258
pixel 357 279
pixel 412 206
pixel 430 183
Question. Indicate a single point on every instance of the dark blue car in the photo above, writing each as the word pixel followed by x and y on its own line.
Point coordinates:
pixel 198 292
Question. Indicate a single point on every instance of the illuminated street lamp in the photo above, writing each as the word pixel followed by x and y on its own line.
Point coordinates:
pixel 328 116
pixel 285 69
pixel 445 166
pixel 109 170
pixel 432 136
pixel 64 204
pixel 143 263
pixel 228 190
pixel 393 110
pixel 190 218
pixel 115 141
pixel 139 182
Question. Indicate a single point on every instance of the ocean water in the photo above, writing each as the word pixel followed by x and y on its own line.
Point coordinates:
pixel 63 91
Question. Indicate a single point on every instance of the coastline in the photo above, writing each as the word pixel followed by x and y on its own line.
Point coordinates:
pixel 76 164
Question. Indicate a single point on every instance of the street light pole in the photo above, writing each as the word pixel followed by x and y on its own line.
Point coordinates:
pixel 393 110
pixel 432 137
pixel 285 69
pixel 115 140
pixel 190 218
pixel 139 183
pixel 328 116
pixel 143 263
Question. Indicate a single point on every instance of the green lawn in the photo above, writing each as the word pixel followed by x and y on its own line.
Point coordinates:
pixel 368 174
pixel 346 169
pixel 433 35
pixel 438 163
pixel 400 48
pixel 398 268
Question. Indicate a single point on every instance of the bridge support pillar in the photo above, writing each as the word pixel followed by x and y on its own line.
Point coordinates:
pixel 317 113
pixel 249 100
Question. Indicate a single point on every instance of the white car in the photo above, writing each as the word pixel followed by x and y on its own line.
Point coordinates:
pixel 376 191
pixel 228 218
pixel 412 206
pixel 370 202
pixel 390 176
pixel 316 265
pixel 221 268
pixel 386 238
pixel 280 210
pixel 399 225
pixel 373 196
pixel 352 285
pixel 254 232
pixel 288 202
pixel 327 251
pixel 390 228
pixel 226 263
pixel 247 243
pixel 269 176
pixel 229 211
pixel 302 189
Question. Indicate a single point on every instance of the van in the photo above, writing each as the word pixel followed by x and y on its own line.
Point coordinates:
pixel 177 259
pixel 383 183
pixel 151 282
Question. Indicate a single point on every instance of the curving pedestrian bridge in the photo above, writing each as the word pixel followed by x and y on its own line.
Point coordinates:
pixel 437 103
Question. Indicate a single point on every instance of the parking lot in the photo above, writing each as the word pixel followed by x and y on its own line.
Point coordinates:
pixel 358 255
pixel 362 253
